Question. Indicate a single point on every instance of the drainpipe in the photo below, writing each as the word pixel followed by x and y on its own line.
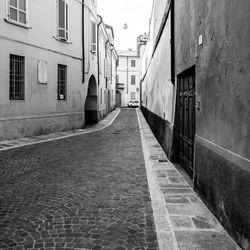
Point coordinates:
pixel 83 44
pixel 172 28
pixel 98 51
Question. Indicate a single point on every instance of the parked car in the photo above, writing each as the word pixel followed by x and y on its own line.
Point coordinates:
pixel 133 104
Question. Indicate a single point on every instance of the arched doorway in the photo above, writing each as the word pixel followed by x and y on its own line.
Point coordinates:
pixel 118 99
pixel 91 102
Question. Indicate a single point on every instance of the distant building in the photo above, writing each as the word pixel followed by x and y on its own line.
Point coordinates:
pixel 195 96
pixel 48 69
pixel 128 77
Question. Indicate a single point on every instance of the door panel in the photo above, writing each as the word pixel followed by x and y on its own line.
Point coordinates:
pixel 186 119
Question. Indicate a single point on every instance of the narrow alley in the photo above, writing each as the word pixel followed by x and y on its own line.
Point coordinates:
pixel 91 191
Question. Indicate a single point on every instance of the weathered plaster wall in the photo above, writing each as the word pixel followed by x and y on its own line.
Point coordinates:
pixel 157 88
pixel 222 151
pixel 221 65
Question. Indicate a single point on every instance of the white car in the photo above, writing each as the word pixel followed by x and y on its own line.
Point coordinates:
pixel 133 104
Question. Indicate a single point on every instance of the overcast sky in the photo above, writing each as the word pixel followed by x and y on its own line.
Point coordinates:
pixel 135 13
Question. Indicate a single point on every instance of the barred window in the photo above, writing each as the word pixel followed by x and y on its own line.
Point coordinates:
pixel 132 79
pixel 18 11
pixel 63 20
pixel 62 82
pixel 17 70
pixel 132 63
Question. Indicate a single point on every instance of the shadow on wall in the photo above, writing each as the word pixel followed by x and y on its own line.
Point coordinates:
pixel 91 116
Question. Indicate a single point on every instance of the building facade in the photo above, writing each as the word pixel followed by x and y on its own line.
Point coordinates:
pixel 128 77
pixel 195 96
pixel 45 67
pixel 107 64
pixel 113 59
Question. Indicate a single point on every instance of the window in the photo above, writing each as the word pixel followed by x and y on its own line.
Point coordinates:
pixel 63 20
pixel 17 70
pixel 93 37
pixel 132 79
pixel 117 78
pixel 132 95
pixel 62 82
pixel 18 11
pixel 132 63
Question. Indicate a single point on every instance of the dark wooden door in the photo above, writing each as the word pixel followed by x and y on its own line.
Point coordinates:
pixel 186 119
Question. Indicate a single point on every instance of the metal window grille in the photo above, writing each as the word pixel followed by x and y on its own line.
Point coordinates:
pixel 18 11
pixel 62 82
pixel 17 71
pixel 132 63
pixel 133 79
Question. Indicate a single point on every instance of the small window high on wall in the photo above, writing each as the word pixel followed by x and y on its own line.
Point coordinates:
pixel 63 20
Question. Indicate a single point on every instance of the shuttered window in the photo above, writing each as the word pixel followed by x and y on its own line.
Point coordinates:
pixel 132 95
pixel 63 20
pixel 132 79
pixel 18 11
pixel 93 36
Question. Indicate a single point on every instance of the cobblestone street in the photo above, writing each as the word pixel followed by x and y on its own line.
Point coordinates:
pixel 108 186
pixel 88 191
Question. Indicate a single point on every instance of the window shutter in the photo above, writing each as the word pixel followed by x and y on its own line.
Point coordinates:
pixel 93 36
pixel 67 21
pixel 63 20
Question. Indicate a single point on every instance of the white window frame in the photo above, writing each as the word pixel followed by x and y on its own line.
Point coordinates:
pixel 17 22
pixel 93 43
pixel 66 21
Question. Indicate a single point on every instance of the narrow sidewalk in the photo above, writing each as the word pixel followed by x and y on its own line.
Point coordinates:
pixel 20 142
pixel 182 220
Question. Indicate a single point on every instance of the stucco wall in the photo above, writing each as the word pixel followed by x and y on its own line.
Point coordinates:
pixel 41 112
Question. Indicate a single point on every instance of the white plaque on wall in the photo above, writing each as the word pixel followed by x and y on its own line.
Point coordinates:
pixel 42 67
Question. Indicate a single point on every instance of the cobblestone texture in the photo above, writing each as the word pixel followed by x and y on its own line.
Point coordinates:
pixel 84 192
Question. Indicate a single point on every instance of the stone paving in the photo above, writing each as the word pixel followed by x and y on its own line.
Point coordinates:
pixel 88 191
pixel 182 220
pixel 105 187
